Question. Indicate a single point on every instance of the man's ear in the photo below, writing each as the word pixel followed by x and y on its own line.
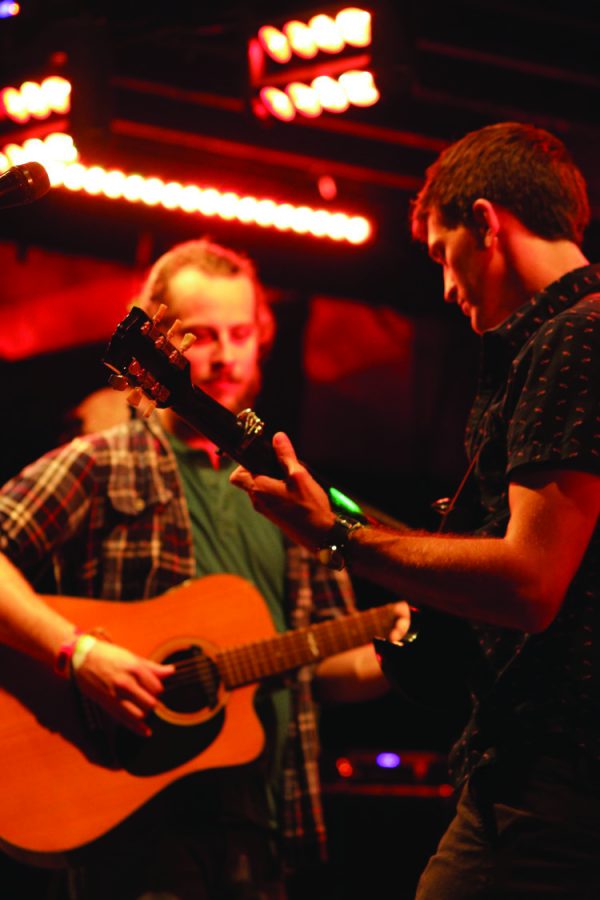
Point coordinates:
pixel 487 223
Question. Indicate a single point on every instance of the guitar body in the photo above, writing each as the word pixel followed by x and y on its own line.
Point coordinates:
pixel 64 783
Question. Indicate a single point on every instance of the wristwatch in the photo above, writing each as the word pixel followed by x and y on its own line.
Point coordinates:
pixel 333 552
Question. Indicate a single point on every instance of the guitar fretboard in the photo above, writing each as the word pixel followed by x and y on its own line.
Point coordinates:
pixel 248 663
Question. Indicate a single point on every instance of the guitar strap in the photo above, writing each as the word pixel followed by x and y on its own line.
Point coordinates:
pixel 446 505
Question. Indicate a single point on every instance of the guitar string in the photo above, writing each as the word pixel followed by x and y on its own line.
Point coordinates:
pixel 187 671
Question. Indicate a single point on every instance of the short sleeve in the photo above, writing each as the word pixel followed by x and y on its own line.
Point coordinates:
pixel 556 417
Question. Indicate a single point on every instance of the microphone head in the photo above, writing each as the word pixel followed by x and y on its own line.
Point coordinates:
pixel 23 184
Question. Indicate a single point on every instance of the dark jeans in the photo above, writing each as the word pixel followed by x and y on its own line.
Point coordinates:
pixel 521 831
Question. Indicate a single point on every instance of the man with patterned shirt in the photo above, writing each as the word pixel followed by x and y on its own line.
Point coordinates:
pixel 503 212
pixel 131 512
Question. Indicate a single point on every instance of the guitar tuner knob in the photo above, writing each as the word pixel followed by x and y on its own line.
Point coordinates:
pixel 149 409
pixel 134 398
pixel 187 341
pixel 158 315
pixel 176 324
pixel 135 369
pixel 118 382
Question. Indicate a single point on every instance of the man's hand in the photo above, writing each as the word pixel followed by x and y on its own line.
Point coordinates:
pixel 126 686
pixel 401 626
pixel 297 504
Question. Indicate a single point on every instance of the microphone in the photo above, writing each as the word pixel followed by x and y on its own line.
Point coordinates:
pixel 23 184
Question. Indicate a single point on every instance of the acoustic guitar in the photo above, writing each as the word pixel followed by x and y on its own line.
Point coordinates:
pixel 69 775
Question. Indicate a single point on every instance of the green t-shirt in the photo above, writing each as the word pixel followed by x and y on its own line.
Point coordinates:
pixel 229 536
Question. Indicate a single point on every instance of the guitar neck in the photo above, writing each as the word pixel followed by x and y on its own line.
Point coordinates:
pixel 221 426
pixel 250 663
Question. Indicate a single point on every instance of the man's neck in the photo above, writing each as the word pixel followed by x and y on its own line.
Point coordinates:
pixel 194 439
pixel 537 262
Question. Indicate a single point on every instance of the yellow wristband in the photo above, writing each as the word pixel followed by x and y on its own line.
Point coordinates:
pixel 83 645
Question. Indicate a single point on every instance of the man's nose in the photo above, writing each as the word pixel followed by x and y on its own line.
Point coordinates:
pixel 450 294
pixel 222 350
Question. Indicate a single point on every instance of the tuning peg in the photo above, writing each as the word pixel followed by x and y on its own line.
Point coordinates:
pixel 159 313
pixel 176 324
pixel 134 397
pixel 187 341
pixel 149 409
pixel 118 382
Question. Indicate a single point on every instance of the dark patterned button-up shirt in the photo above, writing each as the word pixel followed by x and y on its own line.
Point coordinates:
pixel 108 511
pixel 538 405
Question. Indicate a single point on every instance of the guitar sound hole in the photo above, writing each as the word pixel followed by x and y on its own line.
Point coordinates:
pixel 195 684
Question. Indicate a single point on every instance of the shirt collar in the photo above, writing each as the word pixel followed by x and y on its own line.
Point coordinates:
pixel 508 338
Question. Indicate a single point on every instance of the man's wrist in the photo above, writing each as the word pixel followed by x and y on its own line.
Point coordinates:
pixel 335 550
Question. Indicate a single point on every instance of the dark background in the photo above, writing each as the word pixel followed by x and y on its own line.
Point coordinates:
pixel 165 91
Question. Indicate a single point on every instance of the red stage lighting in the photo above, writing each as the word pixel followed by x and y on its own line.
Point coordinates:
pixel 37 101
pixel 307 63
pixel 59 155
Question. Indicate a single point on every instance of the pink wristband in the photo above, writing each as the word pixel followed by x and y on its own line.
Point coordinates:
pixel 62 663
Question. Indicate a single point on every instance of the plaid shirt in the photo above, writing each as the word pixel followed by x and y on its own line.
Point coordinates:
pixel 109 511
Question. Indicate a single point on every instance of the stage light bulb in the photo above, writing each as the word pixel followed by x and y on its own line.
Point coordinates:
pixel 359 87
pixel 275 43
pixel 301 39
pixel 305 99
pixel 355 26
pixel 57 92
pixel 387 760
pixel 326 33
pixel 278 103
pixel 331 94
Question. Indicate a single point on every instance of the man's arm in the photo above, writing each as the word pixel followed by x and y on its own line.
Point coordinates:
pixel 518 581
pixel 355 675
pixel 124 684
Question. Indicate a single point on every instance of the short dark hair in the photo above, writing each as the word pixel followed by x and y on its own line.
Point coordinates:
pixel 525 169
pixel 211 259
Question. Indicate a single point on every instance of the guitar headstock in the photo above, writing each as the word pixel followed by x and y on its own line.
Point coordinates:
pixel 143 357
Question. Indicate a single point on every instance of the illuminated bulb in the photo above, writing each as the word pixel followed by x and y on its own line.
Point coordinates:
pixel 74 176
pixel 208 203
pixel 278 103
pixel 326 33
pixel 355 26
pixel 265 213
pixel 134 185
pixel 305 99
pixel 359 87
pixel 301 39
pixel 344 767
pixel 171 195
pixel 14 105
pixel 8 9
pixel 387 760
pixel 228 205
pixel 93 180
pixel 60 147
pixel 282 220
pixel 57 93
pixel 151 192
pixel 33 100
pixel 358 230
pixel 190 198
pixel 275 43
pixel 247 209
pixel 114 184
pixel 331 94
